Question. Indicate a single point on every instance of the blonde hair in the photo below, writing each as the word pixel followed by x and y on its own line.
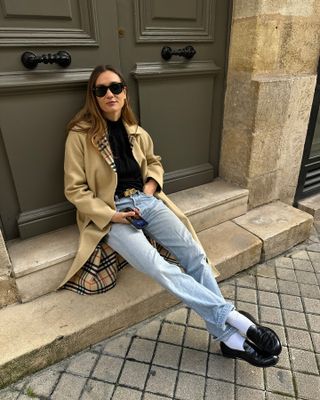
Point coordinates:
pixel 90 118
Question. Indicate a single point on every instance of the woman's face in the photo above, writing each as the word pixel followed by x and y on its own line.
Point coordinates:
pixel 110 104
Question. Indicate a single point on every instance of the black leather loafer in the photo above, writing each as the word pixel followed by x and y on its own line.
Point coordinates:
pixel 264 338
pixel 250 354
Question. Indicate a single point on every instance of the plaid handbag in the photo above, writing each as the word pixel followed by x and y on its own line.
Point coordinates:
pixel 99 273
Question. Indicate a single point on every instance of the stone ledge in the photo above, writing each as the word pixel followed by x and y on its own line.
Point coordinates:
pixel 51 254
pixel 311 205
pixel 278 225
pixel 230 248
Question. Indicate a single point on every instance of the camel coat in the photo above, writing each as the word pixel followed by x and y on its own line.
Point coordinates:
pixel 91 181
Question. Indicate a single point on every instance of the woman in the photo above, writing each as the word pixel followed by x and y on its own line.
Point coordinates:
pixel 110 167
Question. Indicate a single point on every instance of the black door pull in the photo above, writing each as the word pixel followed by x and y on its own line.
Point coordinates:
pixel 30 60
pixel 188 52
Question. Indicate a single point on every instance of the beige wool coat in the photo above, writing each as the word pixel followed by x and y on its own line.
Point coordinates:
pixel 91 181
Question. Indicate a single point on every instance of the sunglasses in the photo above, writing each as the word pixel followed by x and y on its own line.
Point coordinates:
pixel 115 88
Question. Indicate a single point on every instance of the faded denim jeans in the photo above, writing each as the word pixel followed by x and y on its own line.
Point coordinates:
pixel 196 285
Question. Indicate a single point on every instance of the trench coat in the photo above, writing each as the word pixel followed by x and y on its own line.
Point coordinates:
pixel 91 181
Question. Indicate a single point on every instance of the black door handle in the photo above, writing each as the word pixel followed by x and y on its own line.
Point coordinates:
pixel 30 60
pixel 188 52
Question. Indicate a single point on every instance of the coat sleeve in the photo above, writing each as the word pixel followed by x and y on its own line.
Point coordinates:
pixel 154 166
pixel 76 187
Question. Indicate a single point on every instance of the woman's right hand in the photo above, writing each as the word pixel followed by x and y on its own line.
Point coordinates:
pixel 120 217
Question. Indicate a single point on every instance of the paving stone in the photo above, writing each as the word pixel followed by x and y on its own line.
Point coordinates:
pixel 43 384
pixel 179 316
pixel 134 374
pixel 82 364
pixel 271 314
pixel 97 390
pixel 314 247
pixel 172 333
pixel 309 291
pixel 246 294
pixel 268 284
pixel 248 307
pixel 123 393
pixel 314 322
pixel 303 265
pixel 8 394
pixel 300 255
pixel 299 339
pixel 248 375
pixel 308 386
pixel 219 390
pixel 295 319
pixel 286 274
pixel 304 361
pixel 291 302
pixel 268 299
pixel 167 355
pixel 274 396
pixel 220 367
pixel 288 287
pixel 196 321
pixel 118 346
pixel 194 361
pixel 284 262
pixel 150 331
pixel 69 387
pixel 25 397
pixel 190 387
pixel 316 341
pixel 196 338
pixel 150 396
pixel 161 381
pixel 312 305
pixel 107 368
pixel 306 277
pixel 228 291
pixel 279 380
pixel 246 281
pixel 266 271
pixel 315 260
pixel 214 346
pixel 141 350
pixel 284 360
pixel 243 393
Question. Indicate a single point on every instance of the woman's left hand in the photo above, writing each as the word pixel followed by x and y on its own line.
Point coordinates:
pixel 150 187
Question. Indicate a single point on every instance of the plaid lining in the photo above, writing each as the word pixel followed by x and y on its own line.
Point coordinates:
pixel 99 273
pixel 105 150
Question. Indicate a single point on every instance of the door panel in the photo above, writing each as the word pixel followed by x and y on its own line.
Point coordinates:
pixel 35 105
pixel 180 100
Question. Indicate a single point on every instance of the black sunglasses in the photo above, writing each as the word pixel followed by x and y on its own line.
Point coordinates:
pixel 115 88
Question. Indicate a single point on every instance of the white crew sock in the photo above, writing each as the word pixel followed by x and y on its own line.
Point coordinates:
pixel 235 341
pixel 239 321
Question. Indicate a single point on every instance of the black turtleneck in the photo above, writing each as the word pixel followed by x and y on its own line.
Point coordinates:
pixel 128 170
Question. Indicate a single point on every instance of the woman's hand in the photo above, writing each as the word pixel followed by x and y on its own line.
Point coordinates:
pixel 120 217
pixel 150 187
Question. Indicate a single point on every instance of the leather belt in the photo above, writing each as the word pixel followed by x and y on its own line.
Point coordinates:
pixel 129 192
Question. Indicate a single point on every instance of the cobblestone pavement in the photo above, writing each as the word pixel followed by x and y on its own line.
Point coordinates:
pixel 173 357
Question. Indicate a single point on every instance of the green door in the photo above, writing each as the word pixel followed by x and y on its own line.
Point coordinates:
pixel 179 101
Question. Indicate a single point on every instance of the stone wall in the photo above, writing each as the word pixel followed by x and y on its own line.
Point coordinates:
pixel 273 56
pixel 8 290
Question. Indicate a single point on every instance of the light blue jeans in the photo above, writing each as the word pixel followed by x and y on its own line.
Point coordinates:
pixel 196 285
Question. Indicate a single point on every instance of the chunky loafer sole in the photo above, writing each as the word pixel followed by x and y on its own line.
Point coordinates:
pixel 264 338
pixel 250 354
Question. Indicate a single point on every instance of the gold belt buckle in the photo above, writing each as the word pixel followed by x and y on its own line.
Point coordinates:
pixel 129 192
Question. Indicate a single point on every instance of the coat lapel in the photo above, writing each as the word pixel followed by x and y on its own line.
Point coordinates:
pixel 105 150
